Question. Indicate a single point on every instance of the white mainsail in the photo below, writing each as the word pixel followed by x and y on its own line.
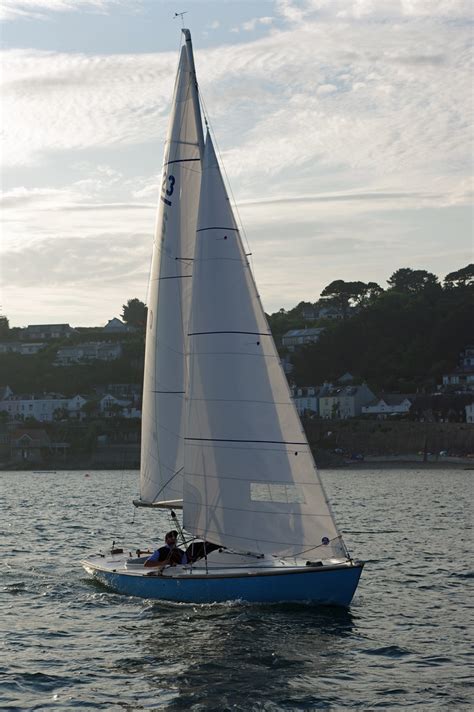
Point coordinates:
pixel 250 479
pixel 170 293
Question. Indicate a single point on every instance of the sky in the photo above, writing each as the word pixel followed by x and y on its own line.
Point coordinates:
pixel 344 126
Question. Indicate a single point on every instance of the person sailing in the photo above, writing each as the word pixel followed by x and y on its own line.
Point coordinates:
pixel 169 554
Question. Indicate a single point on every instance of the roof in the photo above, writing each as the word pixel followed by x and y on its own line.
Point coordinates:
pixel 392 398
pixel 116 323
pixel 35 396
pixel 39 437
pixel 303 332
pixel 346 390
pixel 48 326
pixel 345 377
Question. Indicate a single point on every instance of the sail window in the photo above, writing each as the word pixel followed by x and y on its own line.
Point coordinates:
pixel 276 492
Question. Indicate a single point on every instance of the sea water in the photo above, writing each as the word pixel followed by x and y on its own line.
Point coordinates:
pixel 68 643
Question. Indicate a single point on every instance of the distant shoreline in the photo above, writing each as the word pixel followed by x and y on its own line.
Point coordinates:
pixel 373 463
pixel 466 464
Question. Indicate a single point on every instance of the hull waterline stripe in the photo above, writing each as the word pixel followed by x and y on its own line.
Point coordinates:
pixel 218 227
pixel 249 333
pixel 227 440
pixel 178 276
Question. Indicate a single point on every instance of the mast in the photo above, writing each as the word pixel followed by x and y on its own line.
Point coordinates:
pixel 194 89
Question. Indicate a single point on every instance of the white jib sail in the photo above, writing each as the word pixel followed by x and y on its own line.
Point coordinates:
pixel 170 294
pixel 250 479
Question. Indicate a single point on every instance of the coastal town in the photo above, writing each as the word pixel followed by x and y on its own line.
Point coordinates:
pixel 72 396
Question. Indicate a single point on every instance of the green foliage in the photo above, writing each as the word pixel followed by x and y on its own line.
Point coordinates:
pixel 463 277
pixel 36 374
pixel 346 294
pixel 4 327
pixel 411 281
pixel 135 313
pixel 403 340
pixel 399 339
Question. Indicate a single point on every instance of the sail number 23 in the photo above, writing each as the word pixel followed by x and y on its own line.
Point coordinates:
pixel 167 189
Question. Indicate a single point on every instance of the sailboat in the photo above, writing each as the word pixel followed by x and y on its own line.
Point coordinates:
pixel 221 438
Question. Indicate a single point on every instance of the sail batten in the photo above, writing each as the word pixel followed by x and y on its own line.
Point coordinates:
pixel 170 294
pixel 250 478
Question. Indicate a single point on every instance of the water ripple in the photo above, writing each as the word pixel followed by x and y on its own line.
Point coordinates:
pixel 68 643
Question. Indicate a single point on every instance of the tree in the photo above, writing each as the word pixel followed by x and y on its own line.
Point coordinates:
pixel 60 414
pixel 346 294
pixel 411 281
pixel 368 293
pixel 4 326
pixel 134 313
pixel 90 408
pixel 463 277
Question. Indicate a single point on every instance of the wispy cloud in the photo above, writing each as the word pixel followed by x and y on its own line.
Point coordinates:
pixel 13 9
pixel 343 131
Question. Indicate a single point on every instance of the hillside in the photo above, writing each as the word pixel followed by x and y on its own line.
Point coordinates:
pixel 399 339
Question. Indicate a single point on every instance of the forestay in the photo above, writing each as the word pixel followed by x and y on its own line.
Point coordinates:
pixel 170 293
pixel 250 480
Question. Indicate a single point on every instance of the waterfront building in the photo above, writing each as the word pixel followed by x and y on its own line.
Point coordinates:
pixel 306 398
pixel 45 407
pixel 345 402
pixel 85 353
pixel 462 377
pixel 16 347
pixel 36 332
pixel 389 404
pixel 300 337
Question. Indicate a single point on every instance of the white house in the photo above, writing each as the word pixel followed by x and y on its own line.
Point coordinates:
pixel 42 407
pixel 74 407
pixel 470 413
pixel 16 347
pixel 300 337
pixel 306 398
pixel 131 412
pixel 389 404
pixel 110 406
pixel 462 377
pixel 85 353
pixel 345 402
pixel 46 331
pixel 333 313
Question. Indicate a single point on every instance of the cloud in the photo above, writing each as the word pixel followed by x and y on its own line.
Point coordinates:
pixel 14 9
pixel 103 258
pixel 301 11
pixel 343 132
pixel 252 24
pixel 326 89
pixel 356 102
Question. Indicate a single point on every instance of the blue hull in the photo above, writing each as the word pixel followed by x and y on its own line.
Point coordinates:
pixel 325 586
